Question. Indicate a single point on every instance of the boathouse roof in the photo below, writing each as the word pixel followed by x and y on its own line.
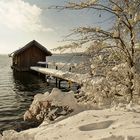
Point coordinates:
pixel 30 44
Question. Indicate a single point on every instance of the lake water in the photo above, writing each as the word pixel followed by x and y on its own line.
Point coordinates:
pixel 16 93
pixel 17 90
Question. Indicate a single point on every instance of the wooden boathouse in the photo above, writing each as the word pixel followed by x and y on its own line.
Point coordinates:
pixel 28 56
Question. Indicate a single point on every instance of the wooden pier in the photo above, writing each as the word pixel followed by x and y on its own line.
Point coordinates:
pixel 67 76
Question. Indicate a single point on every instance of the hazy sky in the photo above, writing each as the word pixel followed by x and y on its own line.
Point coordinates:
pixel 22 21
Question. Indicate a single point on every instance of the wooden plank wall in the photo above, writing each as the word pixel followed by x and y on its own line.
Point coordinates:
pixel 29 57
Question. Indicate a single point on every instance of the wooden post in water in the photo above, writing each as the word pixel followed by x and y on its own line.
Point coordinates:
pixel 56 77
pixel 69 82
pixel 59 83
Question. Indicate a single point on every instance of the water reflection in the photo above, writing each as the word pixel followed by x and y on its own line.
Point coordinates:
pixel 16 96
pixel 26 85
pixel 26 81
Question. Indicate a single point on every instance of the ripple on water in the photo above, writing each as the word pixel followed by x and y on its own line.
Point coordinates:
pixel 16 93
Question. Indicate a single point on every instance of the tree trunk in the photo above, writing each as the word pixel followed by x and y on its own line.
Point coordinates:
pixel 131 79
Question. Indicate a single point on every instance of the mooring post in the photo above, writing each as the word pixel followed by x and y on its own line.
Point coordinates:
pixel 56 81
pixel 59 84
pixel 56 77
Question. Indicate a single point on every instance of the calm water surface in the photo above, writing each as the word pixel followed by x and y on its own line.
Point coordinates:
pixel 16 93
pixel 17 90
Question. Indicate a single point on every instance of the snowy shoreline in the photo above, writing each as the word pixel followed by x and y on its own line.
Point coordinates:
pixel 120 122
pixel 107 124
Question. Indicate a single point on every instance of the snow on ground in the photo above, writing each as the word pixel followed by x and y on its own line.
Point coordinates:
pixel 107 124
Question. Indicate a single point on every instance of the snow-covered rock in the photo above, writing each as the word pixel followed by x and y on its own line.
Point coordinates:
pixel 55 104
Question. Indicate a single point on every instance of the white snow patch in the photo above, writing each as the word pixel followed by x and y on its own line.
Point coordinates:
pixel 107 124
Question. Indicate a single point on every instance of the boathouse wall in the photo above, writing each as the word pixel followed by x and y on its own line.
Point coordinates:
pixel 24 59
